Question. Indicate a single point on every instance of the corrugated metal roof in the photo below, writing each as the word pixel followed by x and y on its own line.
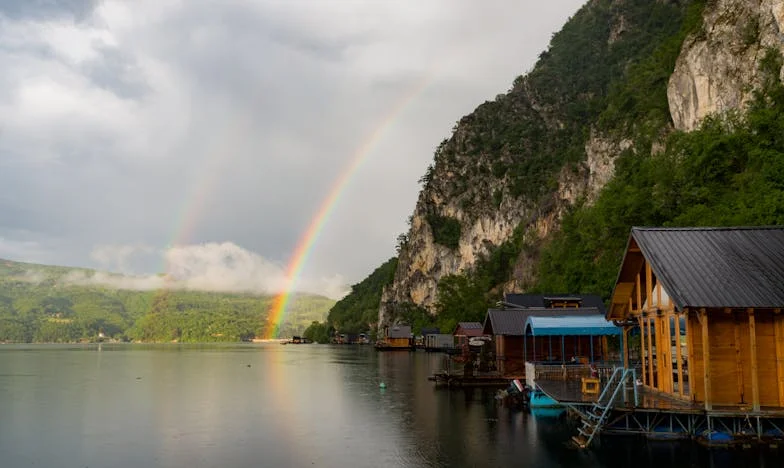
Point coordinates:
pixel 399 331
pixel 589 325
pixel 511 322
pixel 542 300
pixel 717 267
pixel 469 325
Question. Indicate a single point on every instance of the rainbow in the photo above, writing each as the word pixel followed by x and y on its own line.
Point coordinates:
pixel 307 241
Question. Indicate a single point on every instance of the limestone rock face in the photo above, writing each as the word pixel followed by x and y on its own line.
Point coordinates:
pixel 423 262
pixel 718 68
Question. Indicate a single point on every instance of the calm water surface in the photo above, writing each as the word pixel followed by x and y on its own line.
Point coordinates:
pixel 270 405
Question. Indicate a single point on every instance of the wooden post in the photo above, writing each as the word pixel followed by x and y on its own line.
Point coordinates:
pixel 755 397
pixel 648 285
pixel 650 356
pixel 639 294
pixel 778 331
pixel 703 317
pixel 668 346
pixel 563 350
pixel 625 347
pixel 642 350
pixel 679 353
pixel 689 352
pixel 658 330
pixel 649 298
pixel 738 357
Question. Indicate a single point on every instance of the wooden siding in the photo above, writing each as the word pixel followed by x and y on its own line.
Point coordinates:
pixel 398 342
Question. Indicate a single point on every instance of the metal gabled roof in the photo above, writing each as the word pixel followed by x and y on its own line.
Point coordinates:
pixel 511 322
pixel 541 300
pixel 588 325
pixel 399 331
pixel 469 325
pixel 717 267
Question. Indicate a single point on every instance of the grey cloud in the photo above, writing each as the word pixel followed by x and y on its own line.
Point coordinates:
pixel 211 121
pixel 44 9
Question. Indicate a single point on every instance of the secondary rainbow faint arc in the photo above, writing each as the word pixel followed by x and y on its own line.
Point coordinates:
pixel 308 239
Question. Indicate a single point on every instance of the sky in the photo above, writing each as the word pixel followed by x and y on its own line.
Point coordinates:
pixel 200 138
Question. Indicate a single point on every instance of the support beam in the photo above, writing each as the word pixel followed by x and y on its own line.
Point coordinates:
pixel 639 294
pixel 642 350
pixel 590 338
pixel 625 347
pixel 550 341
pixel 648 285
pixel 679 353
pixel 563 350
pixel 667 342
pixel 778 330
pixel 689 351
pixel 738 357
pixel 706 358
pixel 755 396
pixel 650 356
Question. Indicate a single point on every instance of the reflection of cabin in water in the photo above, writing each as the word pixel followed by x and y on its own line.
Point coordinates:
pixel 508 326
pixel 726 286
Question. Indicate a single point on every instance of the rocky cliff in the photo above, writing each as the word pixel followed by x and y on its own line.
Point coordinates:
pixel 718 68
pixel 516 165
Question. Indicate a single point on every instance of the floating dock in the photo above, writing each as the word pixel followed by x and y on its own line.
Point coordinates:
pixel 454 380
pixel 624 408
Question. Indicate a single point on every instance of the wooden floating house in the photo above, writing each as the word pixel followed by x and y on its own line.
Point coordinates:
pixel 727 287
pixel 567 349
pixel 513 347
pixel 464 331
pixel 396 337
pixel 701 308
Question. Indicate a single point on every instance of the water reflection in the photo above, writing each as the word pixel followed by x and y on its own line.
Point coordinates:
pixel 247 405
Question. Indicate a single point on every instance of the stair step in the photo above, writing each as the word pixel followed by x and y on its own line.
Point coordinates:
pixel 580 441
pixel 586 431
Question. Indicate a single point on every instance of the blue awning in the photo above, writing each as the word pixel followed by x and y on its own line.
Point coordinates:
pixel 565 325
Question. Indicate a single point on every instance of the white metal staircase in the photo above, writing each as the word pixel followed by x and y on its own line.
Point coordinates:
pixel 593 420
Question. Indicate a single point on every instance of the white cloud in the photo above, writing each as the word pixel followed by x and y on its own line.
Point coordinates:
pixel 223 267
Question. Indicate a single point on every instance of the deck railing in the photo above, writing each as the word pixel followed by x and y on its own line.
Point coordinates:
pixel 548 371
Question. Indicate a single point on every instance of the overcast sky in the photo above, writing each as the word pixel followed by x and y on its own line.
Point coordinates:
pixel 218 127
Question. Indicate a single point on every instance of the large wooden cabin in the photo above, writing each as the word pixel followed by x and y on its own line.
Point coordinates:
pixel 724 287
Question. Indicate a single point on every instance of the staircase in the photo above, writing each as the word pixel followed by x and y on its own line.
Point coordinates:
pixel 596 416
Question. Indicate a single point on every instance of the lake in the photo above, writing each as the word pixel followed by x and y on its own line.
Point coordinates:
pixel 248 405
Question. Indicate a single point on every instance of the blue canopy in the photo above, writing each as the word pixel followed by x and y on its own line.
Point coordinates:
pixel 570 325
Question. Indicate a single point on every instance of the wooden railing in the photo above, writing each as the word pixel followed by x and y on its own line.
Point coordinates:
pixel 547 371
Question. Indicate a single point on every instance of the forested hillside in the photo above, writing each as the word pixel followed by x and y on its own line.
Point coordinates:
pixel 357 312
pixel 40 303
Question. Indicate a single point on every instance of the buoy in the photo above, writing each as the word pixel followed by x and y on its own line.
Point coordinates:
pixel 382 385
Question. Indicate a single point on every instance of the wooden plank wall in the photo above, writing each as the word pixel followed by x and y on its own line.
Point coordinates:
pixel 767 372
pixel 696 365
pixel 731 370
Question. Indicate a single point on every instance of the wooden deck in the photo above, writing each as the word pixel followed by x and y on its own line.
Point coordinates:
pixel 457 380
pixel 569 393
